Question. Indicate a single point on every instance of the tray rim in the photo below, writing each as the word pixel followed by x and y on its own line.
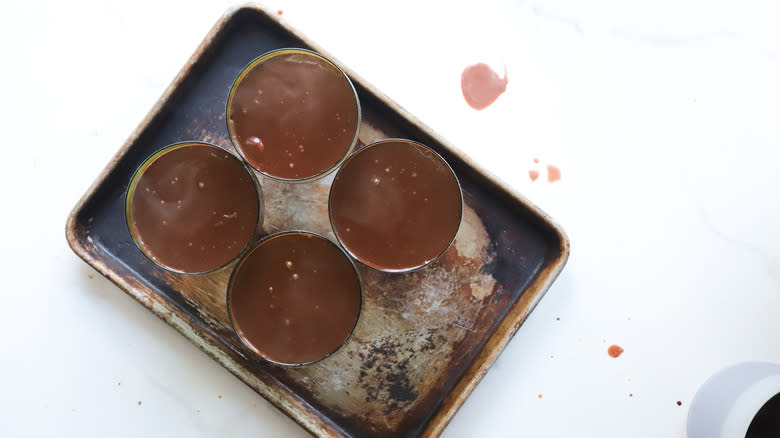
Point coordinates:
pixel 295 407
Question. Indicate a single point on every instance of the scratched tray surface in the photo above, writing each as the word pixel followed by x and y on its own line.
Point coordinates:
pixel 418 347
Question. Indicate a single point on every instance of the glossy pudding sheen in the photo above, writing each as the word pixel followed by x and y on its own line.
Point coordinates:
pixel 193 208
pixel 293 115
pixel 295 298
pixel 395 205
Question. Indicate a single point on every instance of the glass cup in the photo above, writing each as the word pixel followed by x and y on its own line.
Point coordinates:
pixel 395 205
pixel 193 207
pixel 294 298
pixel 293 115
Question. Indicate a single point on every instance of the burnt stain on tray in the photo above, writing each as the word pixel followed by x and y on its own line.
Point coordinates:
pixel 423 337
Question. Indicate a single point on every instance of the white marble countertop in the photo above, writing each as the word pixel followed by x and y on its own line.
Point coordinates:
pixel 663 116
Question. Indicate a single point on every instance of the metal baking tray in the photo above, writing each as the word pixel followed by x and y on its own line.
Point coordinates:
pixel 424 339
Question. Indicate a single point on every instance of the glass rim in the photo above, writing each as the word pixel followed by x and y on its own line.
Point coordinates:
pixel 373 265
pixel 130 193
pixel 264 57
pixel 246 256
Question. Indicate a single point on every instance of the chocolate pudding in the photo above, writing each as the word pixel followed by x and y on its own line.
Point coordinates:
pixel 395 205
pixel 293 114
pixel 192 207
pixel 294 298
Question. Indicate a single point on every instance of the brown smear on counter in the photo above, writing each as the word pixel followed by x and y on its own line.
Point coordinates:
pixel 481 86
pixel 615 350
pixel 540 395
pixel 553 173
pixel 679 403
pixel 533 174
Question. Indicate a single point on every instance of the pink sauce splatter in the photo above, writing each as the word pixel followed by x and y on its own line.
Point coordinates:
pixel 553 173
pixel 533 174
pixel 536 160
pixel 615 350
pixel 481 86
pixel 280 12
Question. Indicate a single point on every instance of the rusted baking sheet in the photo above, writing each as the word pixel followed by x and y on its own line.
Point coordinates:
pixel 424 339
